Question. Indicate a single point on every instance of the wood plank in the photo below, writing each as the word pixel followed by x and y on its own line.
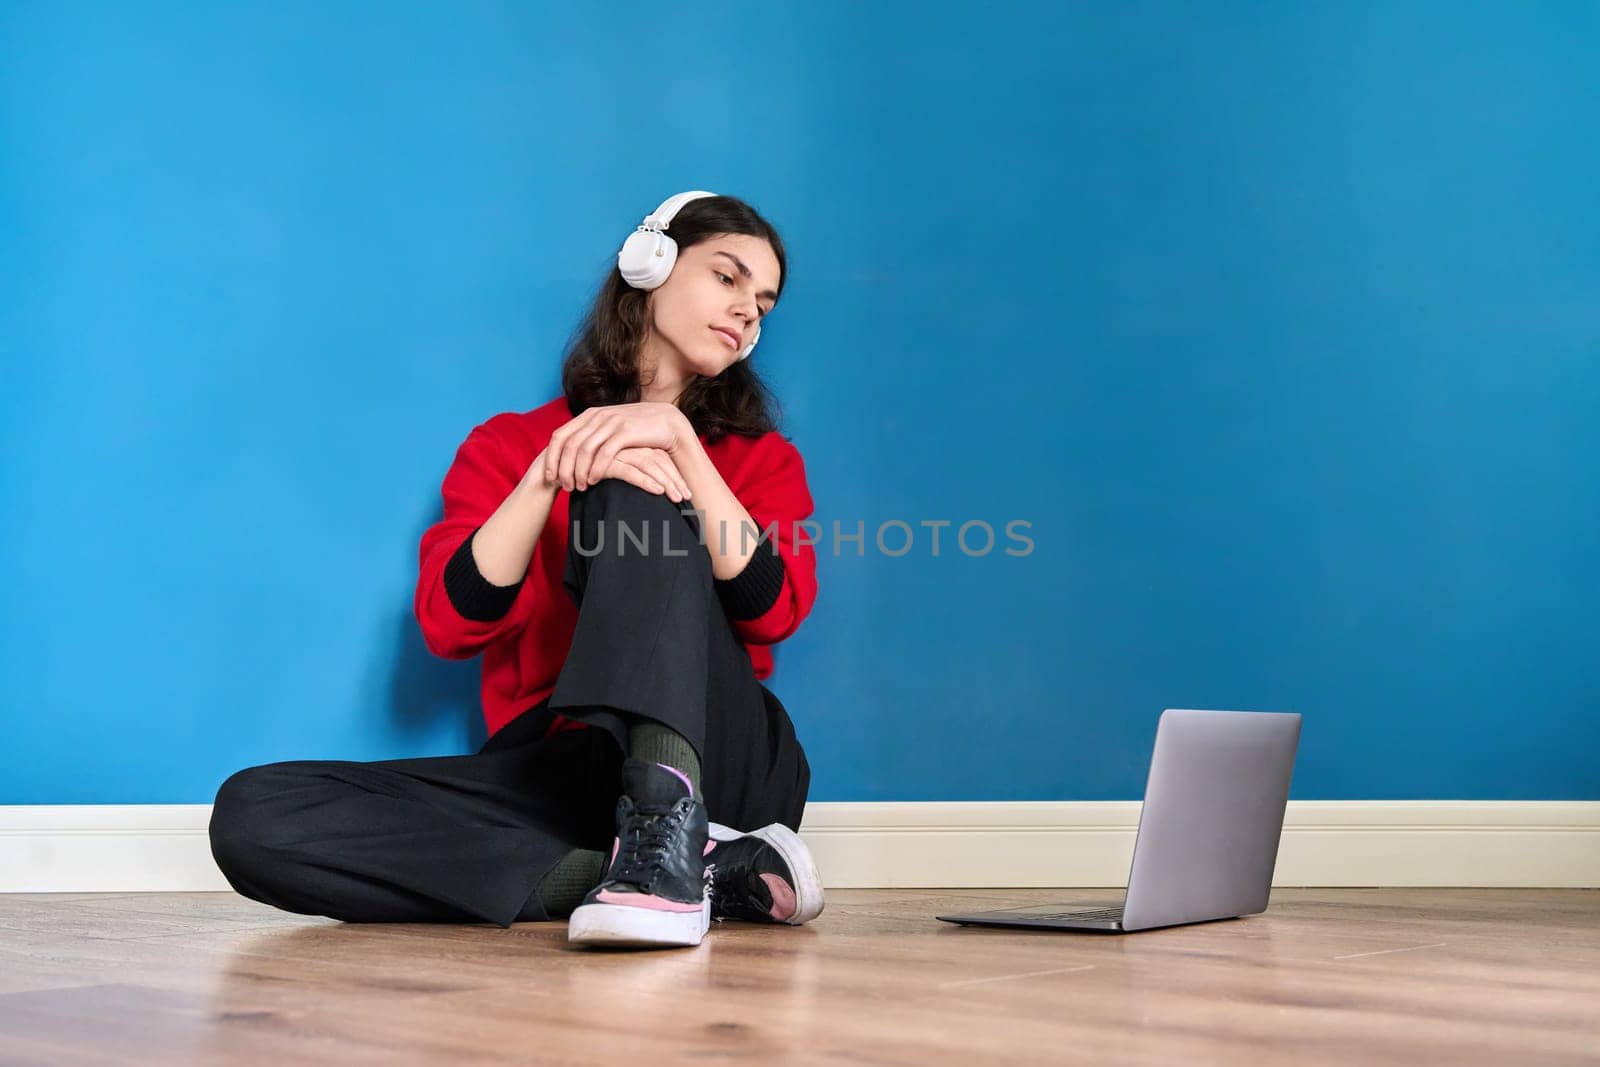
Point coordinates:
pixel 1400 976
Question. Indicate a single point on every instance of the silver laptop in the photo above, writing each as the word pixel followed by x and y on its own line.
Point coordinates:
pixel 1208 832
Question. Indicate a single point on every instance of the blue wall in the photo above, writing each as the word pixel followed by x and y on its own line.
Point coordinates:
pixel 1280 325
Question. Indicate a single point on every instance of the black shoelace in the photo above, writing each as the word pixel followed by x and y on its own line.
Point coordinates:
pixel 733 894
pixel 646 839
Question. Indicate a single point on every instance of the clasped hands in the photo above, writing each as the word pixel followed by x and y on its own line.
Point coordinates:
pixel 636 443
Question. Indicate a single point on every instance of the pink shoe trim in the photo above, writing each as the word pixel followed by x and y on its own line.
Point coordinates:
pixel 709 846
pixel 644 900
pixel 784 904
pixel 684 777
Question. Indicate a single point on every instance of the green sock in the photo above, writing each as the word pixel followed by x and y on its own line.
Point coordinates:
pixel 650 740
pixel 569 881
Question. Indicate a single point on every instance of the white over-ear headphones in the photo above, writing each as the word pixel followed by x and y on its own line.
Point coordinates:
pixel 647 257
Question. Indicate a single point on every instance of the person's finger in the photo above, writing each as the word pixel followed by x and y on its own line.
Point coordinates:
pixel 567 471
pixel 590 467
pixel 650 461
pixel 674 475
pixel 607 443
pixel 635 476
pixel 658 470
pixel 558 442
pixel 677 479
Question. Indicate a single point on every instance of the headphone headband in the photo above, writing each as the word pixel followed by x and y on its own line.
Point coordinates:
pixel 662 217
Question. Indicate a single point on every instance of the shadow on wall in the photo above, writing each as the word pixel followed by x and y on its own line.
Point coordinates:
pixel 423 689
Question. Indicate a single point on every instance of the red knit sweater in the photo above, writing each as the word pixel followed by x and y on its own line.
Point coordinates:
pixel 525 630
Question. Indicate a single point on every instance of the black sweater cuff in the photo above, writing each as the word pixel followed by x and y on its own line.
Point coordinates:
pixel 751 593
pixel 473 595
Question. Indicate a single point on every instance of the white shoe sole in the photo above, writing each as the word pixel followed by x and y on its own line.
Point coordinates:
pixel 621 925
pixel 807 882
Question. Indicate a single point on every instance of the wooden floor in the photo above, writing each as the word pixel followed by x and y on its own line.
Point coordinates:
pixel 1336 976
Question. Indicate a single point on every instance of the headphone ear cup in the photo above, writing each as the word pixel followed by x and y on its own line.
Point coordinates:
pixel 751 347
pixel 646 258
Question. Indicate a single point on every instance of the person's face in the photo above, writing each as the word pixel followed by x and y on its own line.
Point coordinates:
pixel 708 308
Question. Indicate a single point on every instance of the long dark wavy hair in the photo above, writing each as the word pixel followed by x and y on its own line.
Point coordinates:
pixel 602 362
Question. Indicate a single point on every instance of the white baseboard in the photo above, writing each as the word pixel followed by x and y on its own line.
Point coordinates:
pixel 1546 844
pixel 1550 844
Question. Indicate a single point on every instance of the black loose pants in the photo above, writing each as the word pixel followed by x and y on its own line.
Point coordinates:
pixel 468 838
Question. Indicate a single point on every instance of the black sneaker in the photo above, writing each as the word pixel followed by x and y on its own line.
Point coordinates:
pixel 655 891
pixel 766 876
